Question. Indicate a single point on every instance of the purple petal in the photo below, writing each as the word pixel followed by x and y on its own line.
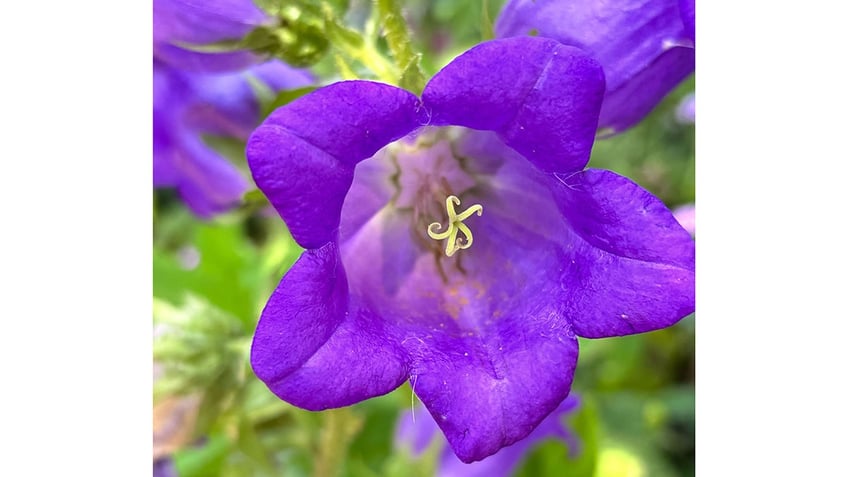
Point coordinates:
pixel 642 42
pixel 208 183
pixel 490 391
pixel 632 266
pixel 164 467
pixel 687 15
pixel 207 21
pixel 314 352
pixel 318 157
pixel 188 105
pixel 178 22
pixel 301 315
pixel 202 62
pixel 227 104
pixel 224 104
pixel 420 432
pixel 627 105
pixel 358 362
pixel 279 76
pixel 416 429
pixel 540 96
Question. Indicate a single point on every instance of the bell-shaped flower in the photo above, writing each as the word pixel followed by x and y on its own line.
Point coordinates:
pixel 182 28
pixel 188 105
pixel 458 242
pixel 646 47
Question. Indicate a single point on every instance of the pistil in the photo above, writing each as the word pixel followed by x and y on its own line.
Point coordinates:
pixel 455 225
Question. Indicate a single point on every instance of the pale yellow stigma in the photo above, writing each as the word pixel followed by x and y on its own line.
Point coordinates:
pixel 455 226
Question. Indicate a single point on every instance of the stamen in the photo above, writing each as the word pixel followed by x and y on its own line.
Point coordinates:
pixel 455 225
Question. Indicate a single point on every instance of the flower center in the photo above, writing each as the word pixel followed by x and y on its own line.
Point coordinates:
pixel 410 210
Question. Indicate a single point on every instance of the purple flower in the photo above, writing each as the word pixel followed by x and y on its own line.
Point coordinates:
pixel 685 112
pixel 164 468
pixel 178 24
pixel 417 434
pixel 187 105
pixel 365 174
pixel 685 215
pixel 646 47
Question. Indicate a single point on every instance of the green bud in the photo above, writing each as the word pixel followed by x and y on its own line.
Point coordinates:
pixel 196 345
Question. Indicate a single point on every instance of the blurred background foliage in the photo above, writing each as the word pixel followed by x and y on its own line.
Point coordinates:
pixel 211 278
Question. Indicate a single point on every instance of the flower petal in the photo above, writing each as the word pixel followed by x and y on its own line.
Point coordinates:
pixel 203 22
pixel 492 387
pixel 359 361
pixel 227 104
pixel 305 309
pixel 177 22
pixel 628 104
pixel 632 265
pixel 203 62
pixel 687 15
pixel 207 183
pixel 315 353
pixel 543 98
pixel 279 76
pixel 305 167
pixel 637 41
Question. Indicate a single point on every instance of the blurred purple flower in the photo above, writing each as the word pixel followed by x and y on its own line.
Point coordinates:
pixel 416 434
pixel 188 105
pixel 646 47
pixel 685 215
pixel 179 25
pixel 685 112
pixel 488 336
pixel 164 467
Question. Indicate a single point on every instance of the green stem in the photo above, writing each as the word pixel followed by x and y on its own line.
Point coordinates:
pixel 352 44
pixel 340 426
pixel 398 39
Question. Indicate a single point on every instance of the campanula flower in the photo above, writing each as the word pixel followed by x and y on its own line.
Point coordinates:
pixel 646 47
pixel 180 27
pixel 685 215
pixel 417 433
pixel 187 105
pixel 457 241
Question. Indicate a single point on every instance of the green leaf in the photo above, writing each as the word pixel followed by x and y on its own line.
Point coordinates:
pixel 227 275
pixel 285 97
pixel 204 461
pixel 271 7
pixel 400 44
pixel 411 78
pixel 487 30
pixel 254 196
